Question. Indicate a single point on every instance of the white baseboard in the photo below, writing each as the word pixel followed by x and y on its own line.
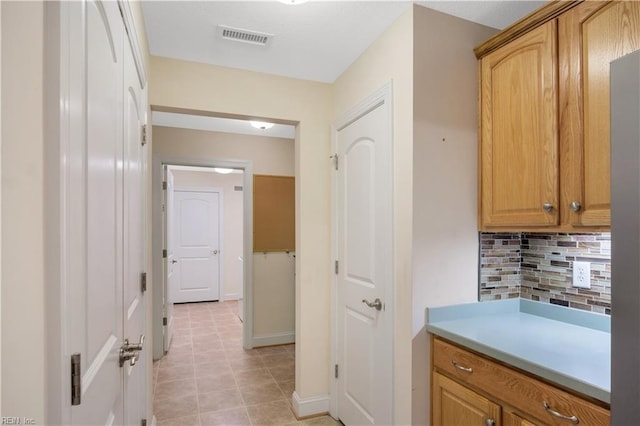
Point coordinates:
pixel 309 406
pixel 231 296
pixel 274 339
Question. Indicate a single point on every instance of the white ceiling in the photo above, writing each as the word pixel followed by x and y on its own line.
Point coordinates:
pixel 496 14
pixel 216 124
pixel 316 40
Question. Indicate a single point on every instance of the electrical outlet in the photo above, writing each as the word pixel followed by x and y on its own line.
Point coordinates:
pixel 582 274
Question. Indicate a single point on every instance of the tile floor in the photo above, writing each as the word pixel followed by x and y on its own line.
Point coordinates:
pixel 207 378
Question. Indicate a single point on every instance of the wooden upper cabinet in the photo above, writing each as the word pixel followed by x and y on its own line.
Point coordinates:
pixel 591 35
pixel 519 152
pixel 546 140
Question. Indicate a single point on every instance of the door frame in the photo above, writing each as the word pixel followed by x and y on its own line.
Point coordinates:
pixel 159 284
pixel 220 192
pixel 383 95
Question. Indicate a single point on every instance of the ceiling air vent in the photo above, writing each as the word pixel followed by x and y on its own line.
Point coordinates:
pixel 244 36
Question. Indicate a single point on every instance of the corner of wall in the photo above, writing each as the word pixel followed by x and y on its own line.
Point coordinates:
pixel 420 385
pixel 445 232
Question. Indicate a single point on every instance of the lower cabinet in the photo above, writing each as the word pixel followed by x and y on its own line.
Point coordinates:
pixel 454 404
pixel 512 419
pixel 469 389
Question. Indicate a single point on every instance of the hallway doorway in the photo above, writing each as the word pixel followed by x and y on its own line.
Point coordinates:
pixel 175 254
pixel 203 210
pixel 197 139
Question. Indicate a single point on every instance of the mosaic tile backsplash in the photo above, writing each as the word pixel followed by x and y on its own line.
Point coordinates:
pixel 539 266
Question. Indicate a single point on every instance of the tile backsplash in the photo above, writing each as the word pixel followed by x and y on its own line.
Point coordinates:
pixel 539 266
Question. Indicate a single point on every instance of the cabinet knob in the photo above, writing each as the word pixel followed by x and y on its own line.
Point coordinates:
pixel 490 422
pixel 547 207
pixel 575 206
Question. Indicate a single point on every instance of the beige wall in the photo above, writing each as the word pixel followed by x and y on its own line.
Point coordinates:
pixel 391 58
pixel 189 85
pixel 273 298
pixel 445 237
pixel 231 248
pixel 23 321
pixel 271 156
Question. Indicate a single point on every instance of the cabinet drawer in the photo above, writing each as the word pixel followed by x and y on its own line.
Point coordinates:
pixel 513 388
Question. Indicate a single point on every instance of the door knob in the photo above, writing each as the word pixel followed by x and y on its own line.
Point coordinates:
pixel 375 304
pixel 174 261
pixel 547 207
pixel 131 351
pixel 575 206
pixel 214 252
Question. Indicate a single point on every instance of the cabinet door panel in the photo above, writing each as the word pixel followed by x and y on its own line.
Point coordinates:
pixel 456 405
pixel 519 132
pixel 591 36
pixel 512 419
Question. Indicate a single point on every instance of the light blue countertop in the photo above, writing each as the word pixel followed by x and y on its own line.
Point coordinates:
pixel 565 346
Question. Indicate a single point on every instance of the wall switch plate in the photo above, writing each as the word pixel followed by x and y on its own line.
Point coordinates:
pixel 582 274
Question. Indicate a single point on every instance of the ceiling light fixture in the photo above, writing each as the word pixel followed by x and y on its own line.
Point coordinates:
pixel 262 125
pixel 222 170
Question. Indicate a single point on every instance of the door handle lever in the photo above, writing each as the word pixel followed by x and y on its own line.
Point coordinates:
pixel 131 351
pixel 375 304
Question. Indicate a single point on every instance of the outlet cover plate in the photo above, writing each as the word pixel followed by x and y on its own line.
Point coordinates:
pixel 582 274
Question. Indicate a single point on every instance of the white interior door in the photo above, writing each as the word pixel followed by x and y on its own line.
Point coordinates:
pixel 197 246
pixel 134 314
pixel 170 263
pixel 102 219
pixel 365 254
pixel 95 297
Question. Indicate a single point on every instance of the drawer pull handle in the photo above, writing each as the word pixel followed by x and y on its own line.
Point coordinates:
pixel 459 367
pixel 553 412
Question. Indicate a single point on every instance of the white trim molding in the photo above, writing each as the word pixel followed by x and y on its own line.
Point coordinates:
pixel 230 296
pixel 274 339
pixel 158 283
pixel 306 407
